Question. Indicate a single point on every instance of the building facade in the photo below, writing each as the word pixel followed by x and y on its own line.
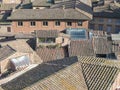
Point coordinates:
pixel 106 18
pixel 30 26
pixel 110 25
pixel 57 16
pixel 26 21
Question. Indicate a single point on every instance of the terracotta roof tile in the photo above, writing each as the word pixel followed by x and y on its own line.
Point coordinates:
pixel 81 48
pixel 47 33
pixel 47 14
pixel 102 45
pixel 49 54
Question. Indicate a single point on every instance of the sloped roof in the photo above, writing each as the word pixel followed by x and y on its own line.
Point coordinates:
pixel 48 54
pixel 24 36
pixel 74 2
pixel 102 45
pixel 83 6
pixel 46 33
pixel 70 78
pixel 107 11
pixel 7 6
pixel 47 14
pixel 99 73
pixel 37 3
pixel 99 61
pixel 22 47
pixel 64 4
pixel 6 51
pixel 81 48
pixel 19 46
pixel 44 71
pixel 73 73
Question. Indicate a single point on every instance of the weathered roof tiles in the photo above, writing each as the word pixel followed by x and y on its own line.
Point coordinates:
pixel 47 14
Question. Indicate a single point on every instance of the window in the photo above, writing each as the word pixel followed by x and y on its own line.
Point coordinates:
pixel 42 40
pixel 117 29
pixel 45 23
pixel 92 26
pixel 109 28
pixel 100 27
pixel 32 23
pixel 69 23
pixel 118 21
pixel 47 40
pixel 80 23
pixel 109 20
pixel 8 29
pixel 101 20
pixel 57 23
pixel 20 23
pixel 50 40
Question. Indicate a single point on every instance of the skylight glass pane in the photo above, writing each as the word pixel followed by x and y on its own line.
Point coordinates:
pixel 77 33
pixel 20 61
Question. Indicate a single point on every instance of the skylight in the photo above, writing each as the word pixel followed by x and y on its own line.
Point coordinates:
pixel 77 33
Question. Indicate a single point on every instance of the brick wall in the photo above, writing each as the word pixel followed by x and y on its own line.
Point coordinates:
pixel 27 28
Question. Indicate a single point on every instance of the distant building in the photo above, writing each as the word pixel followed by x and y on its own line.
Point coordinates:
pixel 106 18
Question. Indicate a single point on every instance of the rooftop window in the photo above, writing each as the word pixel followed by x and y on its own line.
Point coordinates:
pixel 75 33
